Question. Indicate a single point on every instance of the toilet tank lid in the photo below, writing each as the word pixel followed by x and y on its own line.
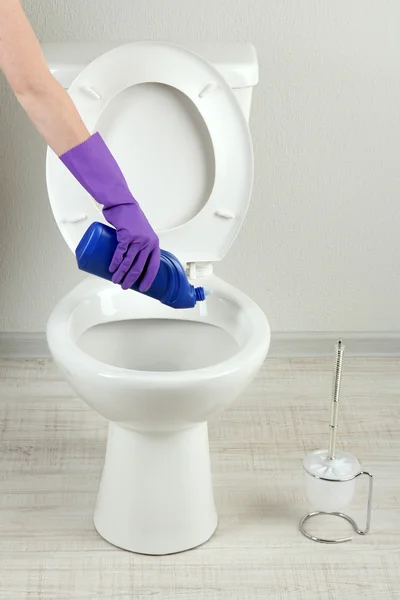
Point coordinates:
pixel 237 62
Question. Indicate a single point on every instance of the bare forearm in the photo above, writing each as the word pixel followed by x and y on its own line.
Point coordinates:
pixel 47 104
pixel 54 115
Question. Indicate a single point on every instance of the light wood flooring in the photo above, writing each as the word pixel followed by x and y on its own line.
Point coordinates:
pixel 51 454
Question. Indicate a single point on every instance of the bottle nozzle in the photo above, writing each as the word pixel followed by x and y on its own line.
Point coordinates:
pixel 200 294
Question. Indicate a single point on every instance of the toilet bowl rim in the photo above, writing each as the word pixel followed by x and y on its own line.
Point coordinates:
pixel 62 345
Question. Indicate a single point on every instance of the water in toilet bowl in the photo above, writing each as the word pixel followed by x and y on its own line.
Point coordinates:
pixel 158 344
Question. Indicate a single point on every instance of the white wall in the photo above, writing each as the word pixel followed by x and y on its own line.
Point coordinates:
pixel 321 246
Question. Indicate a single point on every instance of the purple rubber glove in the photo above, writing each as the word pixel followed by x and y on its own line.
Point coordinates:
pixel 138 252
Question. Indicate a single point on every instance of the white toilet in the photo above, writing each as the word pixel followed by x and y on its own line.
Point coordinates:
pixel 177 122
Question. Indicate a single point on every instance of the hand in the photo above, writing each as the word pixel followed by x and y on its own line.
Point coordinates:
pixel 138 251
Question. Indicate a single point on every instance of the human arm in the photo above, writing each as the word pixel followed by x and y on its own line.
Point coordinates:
pixel 87 157
pixel 45 101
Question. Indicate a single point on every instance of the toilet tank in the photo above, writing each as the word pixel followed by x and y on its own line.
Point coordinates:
pixel 237 63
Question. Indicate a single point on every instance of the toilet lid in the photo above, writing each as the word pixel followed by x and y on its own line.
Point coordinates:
pixel 181 139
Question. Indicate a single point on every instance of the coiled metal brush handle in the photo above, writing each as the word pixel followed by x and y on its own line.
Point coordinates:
pixel 337 377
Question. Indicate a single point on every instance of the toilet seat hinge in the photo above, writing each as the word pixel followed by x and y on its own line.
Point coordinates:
pixel 199 270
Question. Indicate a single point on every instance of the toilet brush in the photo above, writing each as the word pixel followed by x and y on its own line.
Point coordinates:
pixel 330 475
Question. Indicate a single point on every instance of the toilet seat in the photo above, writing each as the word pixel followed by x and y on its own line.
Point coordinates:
pixel 209 234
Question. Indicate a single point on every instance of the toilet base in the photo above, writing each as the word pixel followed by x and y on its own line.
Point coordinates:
pixel 155 494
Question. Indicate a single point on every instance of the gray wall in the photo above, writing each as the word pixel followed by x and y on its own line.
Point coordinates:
pixel 320 249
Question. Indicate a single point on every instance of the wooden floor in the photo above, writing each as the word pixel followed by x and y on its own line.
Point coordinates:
pixel 52 448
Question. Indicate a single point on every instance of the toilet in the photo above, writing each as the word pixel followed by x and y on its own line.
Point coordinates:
pixel 176 119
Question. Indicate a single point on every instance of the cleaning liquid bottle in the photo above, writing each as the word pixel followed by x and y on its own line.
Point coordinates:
pixel 171 285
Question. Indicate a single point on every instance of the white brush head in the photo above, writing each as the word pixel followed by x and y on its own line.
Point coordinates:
pixel 330 496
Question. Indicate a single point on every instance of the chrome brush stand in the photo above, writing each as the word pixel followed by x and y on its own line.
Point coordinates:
pixel 329 468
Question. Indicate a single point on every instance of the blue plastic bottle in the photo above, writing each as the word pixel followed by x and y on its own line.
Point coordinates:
pixel 171 286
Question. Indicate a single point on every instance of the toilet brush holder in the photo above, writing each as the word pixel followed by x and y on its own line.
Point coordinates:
pixel 330 476
pixel 331 488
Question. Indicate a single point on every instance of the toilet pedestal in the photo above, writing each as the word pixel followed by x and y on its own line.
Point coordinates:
pixel 155 494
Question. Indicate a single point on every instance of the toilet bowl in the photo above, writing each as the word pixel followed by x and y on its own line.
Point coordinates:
pixel 158 374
